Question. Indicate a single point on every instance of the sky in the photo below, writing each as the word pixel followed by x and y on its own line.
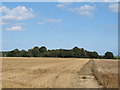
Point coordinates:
pixel 88 25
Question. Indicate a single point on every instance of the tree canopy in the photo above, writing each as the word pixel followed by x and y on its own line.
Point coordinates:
pixel 64 53
pixel 108 55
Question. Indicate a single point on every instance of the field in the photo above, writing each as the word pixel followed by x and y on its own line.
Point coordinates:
pixel 56 72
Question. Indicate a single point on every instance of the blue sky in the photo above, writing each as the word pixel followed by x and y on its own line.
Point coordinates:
pixel 92 26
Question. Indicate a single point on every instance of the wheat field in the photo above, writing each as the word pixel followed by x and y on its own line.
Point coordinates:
pixel 19 72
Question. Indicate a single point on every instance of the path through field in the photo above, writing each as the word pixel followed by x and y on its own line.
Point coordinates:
pixel 46 73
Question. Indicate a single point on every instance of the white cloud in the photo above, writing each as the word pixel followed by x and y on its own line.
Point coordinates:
pixel 85 10
pixel 18 13
pixel 62 5
pixel 4 9
pixel 14 28
pixel 52 20
pixel 113 7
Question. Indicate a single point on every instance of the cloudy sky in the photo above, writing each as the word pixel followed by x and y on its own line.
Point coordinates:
pixel 92 26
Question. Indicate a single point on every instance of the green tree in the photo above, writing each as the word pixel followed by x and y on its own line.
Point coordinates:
pixel 109 55
pixel 14 53
pixel 76 52
pixel 95 55
pixel 35 52
pixel 42 49
pixel 24 53
pixel 82 53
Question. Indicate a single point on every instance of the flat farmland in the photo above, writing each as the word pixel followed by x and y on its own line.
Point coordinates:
pixel 19 72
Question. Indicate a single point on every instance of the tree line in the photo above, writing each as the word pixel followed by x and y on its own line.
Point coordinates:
pixel 64 53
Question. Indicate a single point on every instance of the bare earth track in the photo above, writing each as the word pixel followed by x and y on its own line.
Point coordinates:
pixel 46 73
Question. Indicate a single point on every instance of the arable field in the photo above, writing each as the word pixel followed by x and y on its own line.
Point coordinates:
pixel 21 72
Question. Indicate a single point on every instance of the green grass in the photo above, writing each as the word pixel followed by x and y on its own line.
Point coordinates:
pixel 84 77
pixel 117 57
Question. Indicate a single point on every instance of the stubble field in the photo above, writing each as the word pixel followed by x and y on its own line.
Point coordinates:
pixel 19 72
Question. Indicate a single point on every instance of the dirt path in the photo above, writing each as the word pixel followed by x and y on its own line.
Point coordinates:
pixel 46 73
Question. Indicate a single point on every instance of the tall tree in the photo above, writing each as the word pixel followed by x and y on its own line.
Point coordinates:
pixel 42 49
pixel 35 52
pixel 82 53
pixel 109 55
pixel 76 52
